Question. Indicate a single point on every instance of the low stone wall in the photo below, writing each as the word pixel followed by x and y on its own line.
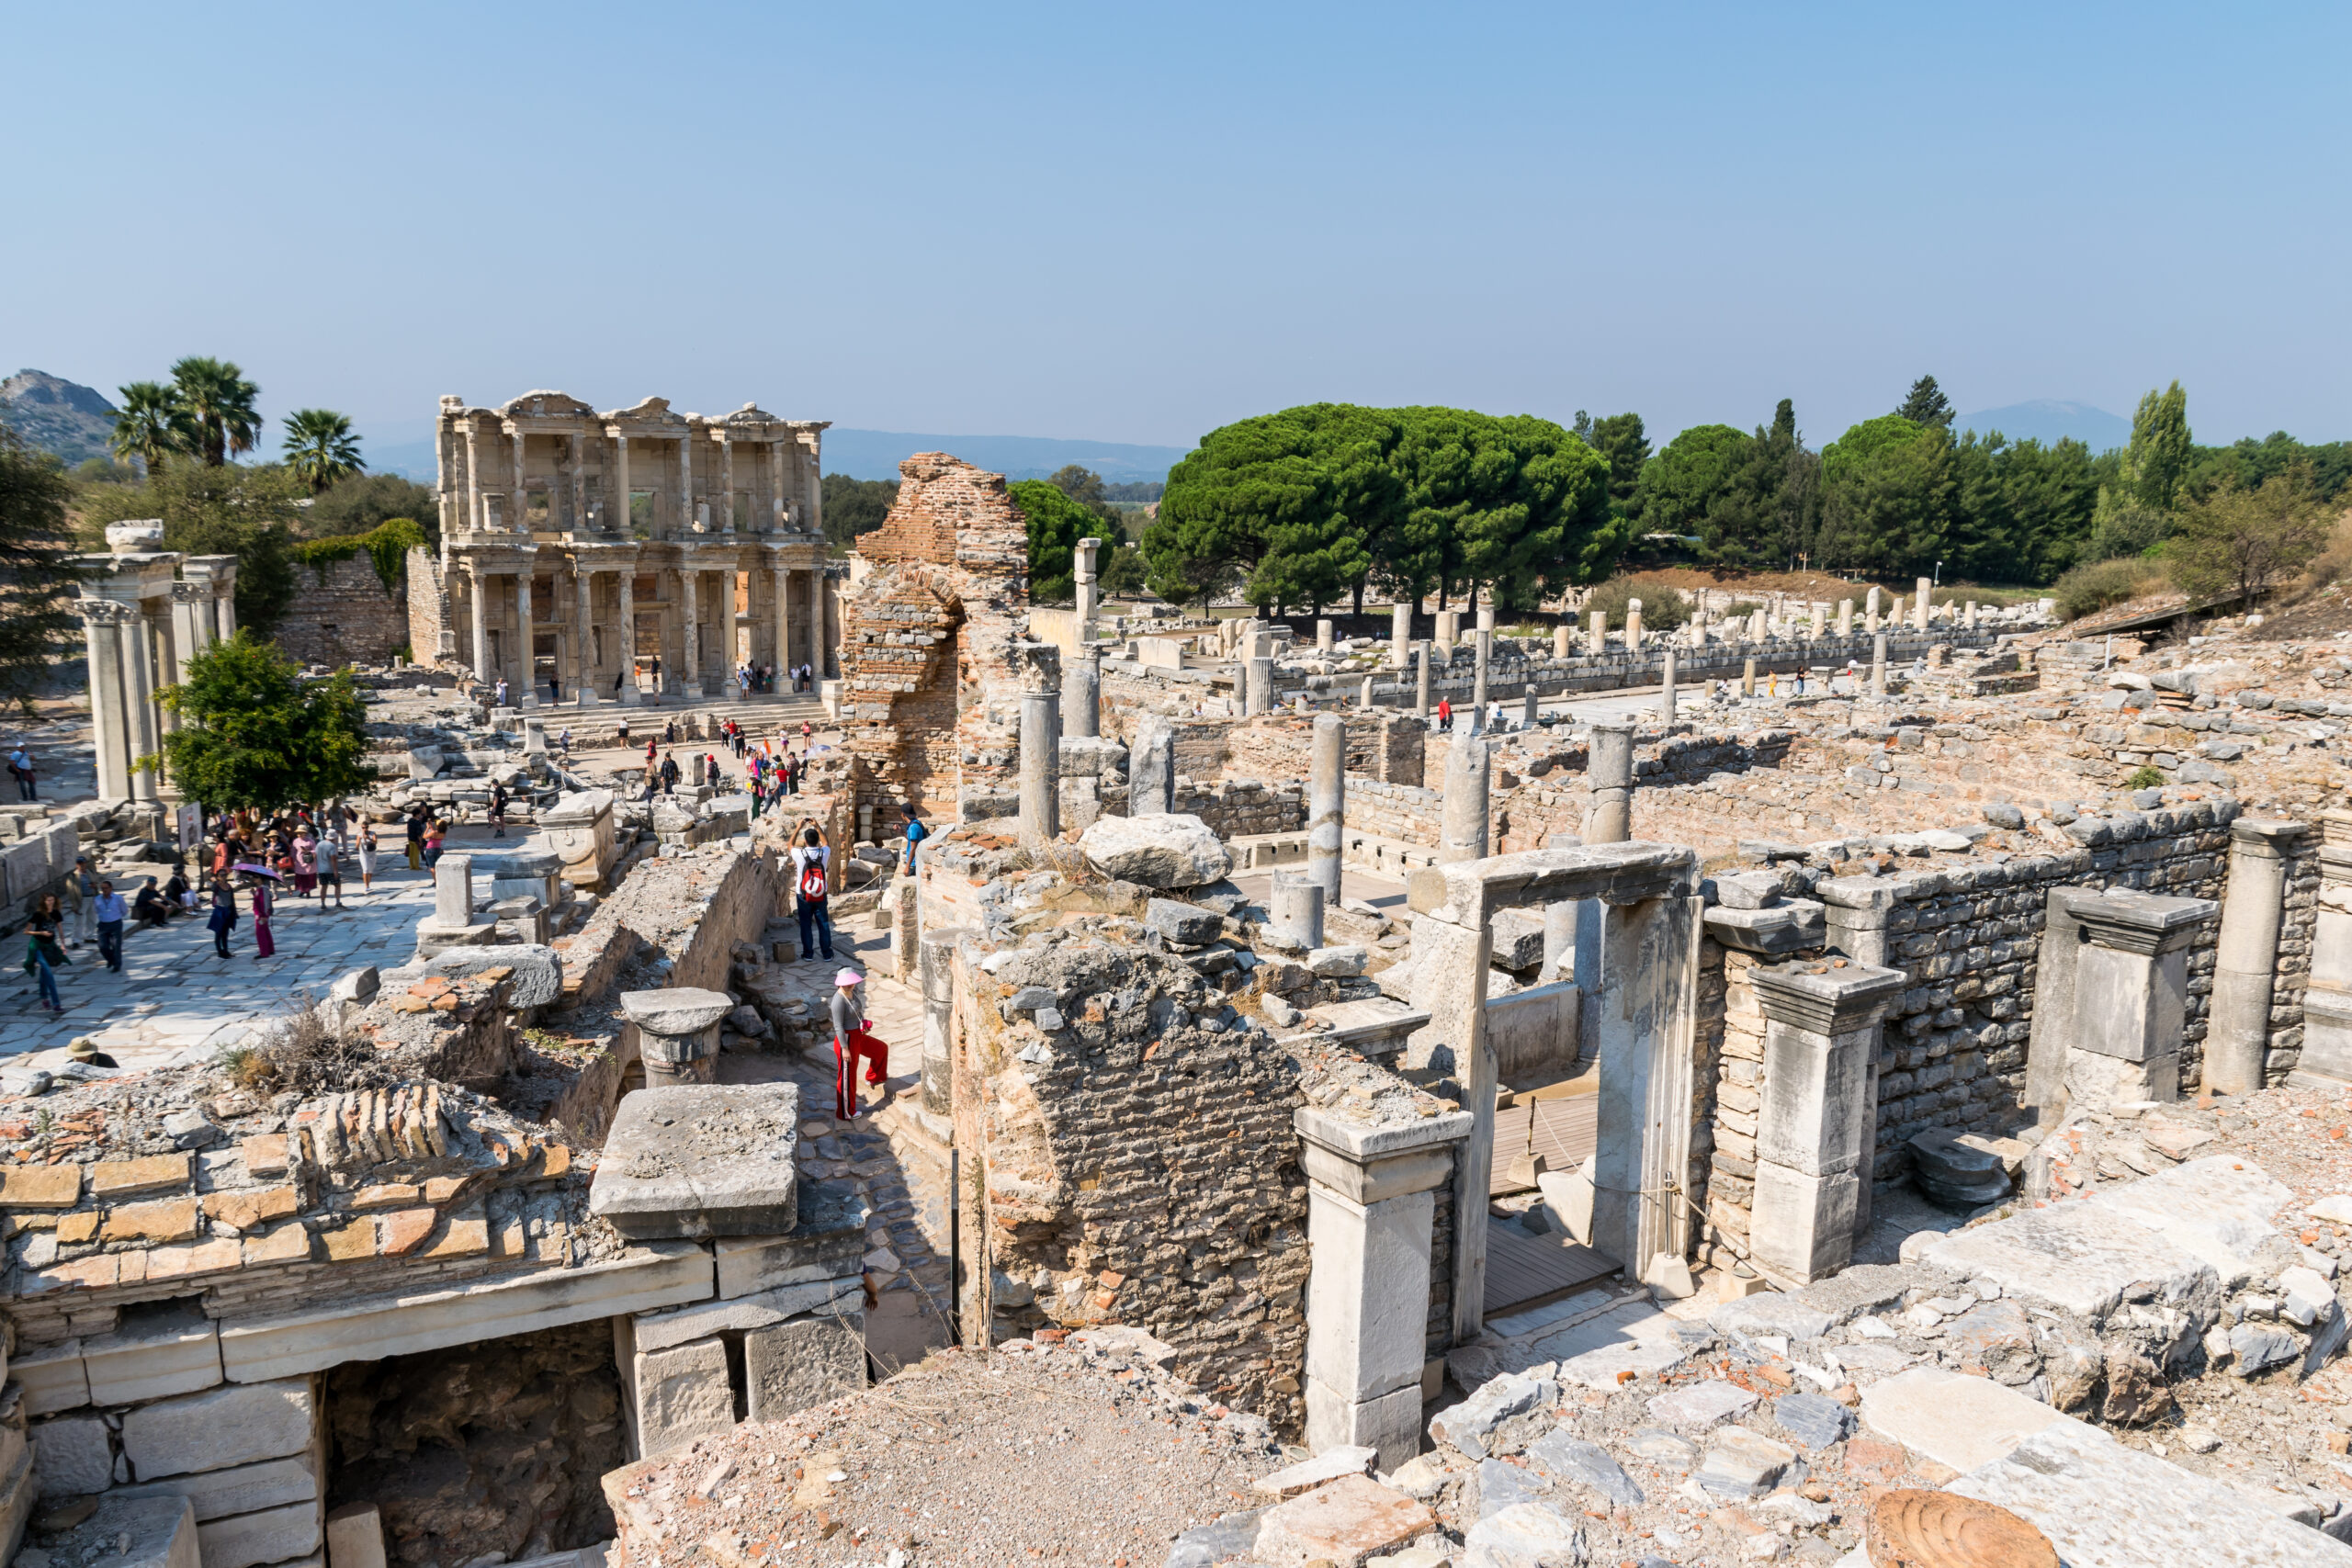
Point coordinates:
pixel 1237 808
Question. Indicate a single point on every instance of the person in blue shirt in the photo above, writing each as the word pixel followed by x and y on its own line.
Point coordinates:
pixel 916 834
pixel 112 910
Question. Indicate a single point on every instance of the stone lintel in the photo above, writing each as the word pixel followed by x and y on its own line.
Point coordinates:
pixel 1875 894
pixel 2144 923
pixel 1794 925
pixel 1469 892
pixel 1826 999
pixel 1366 1145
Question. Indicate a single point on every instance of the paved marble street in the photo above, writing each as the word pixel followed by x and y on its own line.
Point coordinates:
pixel 177 999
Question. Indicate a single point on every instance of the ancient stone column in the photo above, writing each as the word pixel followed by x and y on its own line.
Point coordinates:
pixel 617 506
pixel 1462 830
pixel 527 655
pixel 1400 632
pixel 2237 1037
pixel 110 717
pixel 776 509
pixel 1151 769
pixel 1530 707
pixel 1821 1034
pixel 1820 618
pixel 2130 995
pixel 1610 777
pixel 685 524
pixel 1371 1206
pixel 1748 676
pixel 1082 694
pixel 690 667
pixel 1632 625
pixel 1089 592
pixel 1449 628
pixel 145 735
pixel 677 1033
pixel 1258 694
pixel 518 506
pixel 726 485
pixel 630 697
pixel 1919 618
pixel 1845 617
pixel 1877 664
pixel 1665 690
pixel 1296 907
pixel 1757 628
pixel 938 964
pixel 482 671
pixel 1323 636
pixel 1327 794
pixel 1482 651
pixel 452 890
pixel 577 443
pixel 476 514
pixel 1363 696
pixel 584 638
pixel 1486 617
pixel 1421 682
pixel 1041 808
pixel 1600 633
pixel 783 627
pixel 1563 640
pixel 817 661
pixel 1968 614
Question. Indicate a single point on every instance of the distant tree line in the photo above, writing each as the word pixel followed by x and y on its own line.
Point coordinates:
pixel 1312 506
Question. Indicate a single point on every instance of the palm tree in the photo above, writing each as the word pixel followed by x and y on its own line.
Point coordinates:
pixel 220 401
pixel 150 425
pixel 320 447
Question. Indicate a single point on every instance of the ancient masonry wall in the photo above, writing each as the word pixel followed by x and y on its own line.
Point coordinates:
pixel 1139 1168
pixel 1237 809
pixel 949 582
pixel 1953 1051
pixel 430 633
pixel 343 614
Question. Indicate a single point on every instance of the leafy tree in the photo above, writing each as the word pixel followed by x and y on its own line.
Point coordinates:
pixel 1123 572
pixel 1888 496
pixel 1622 442
pixel 1521 505
pixel 2247 463
pixel 1680 485
pixel 2024 509
pixel 2158 456
pixel 250 512
pixel 1767 512
pixel 1662 607
pixel 1926 404
pixel 321 448
pixel 254 735
pixel 361 503
pixel 1081 483
pixel 37 570
pixel 854 507
pixel 150 425
pixel 2247 539
pixel 218 402
pixel 1288 505
pixel 1056 524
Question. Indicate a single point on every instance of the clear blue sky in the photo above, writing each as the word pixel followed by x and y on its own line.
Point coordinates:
pixel 1133 223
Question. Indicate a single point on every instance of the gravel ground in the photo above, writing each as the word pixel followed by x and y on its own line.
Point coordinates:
pixel 1082 1453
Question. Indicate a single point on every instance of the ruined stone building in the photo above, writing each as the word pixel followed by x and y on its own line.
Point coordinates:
pixel 583 547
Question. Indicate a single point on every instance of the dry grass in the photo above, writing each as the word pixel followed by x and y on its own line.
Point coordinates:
pixel 301 1054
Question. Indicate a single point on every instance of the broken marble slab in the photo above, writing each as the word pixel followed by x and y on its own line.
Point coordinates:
pixel 1954 1419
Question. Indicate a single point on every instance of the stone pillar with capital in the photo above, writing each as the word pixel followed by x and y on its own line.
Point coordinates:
pixel 616 508
pixel 1817 1120
pixel 685 524
pixel 477 517
pixel 139 698
pixel 527 655
pixel 782 629
pixel 775 507
pixel 690 670
pixel 583 636
pixel 482 671
pixel 725 483
pixel 579 518
pixel 1089 595
pixel 1370 1216
pixel 518 509
pixel 2237 1037
pixel 2131 994
pixel 109 714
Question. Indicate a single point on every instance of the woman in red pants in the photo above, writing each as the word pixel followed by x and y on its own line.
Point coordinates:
pixel 851 1041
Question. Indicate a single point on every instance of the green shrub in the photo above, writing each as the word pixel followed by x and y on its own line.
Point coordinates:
pixel 2144 777
pixel 386 547
pixel 2087 590
pixel 1662 605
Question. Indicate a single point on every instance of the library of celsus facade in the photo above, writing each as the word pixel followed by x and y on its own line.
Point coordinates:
pixel 716 556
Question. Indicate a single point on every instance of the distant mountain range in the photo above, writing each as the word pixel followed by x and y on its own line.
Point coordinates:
pixel 57 415
pixel 2050 421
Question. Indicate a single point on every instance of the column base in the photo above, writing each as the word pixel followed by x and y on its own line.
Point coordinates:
pixel 1390 1424
pixel 1802 1227
pixel 583 698
pixel 630 697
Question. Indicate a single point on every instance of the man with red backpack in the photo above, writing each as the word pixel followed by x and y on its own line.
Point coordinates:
pixel 810 861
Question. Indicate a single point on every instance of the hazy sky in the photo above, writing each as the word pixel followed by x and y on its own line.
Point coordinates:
pixel 1133 223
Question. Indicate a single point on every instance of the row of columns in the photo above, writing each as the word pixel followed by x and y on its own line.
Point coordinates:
pixel 133 653
pixel 520 669
pixel 688 513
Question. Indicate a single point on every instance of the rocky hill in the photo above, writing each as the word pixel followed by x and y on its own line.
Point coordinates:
pixel 57 415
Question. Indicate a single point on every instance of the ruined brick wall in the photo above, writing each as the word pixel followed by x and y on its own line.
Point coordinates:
pixel 342 614
pixel 430 633
pixel 1406 813
pixel 1237 808
pixel 1135 1166
pixel 2292 973
pixel 931 687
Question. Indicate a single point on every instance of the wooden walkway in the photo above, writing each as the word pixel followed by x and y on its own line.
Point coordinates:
pixel 1523 1270
pixel 1563 1130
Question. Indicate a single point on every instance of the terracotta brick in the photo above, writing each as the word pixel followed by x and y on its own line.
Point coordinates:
pixel 121 1178
pixel 130 1267
pixel 265 1154
pixel 461 1236
pixel 40 1186
pixel 247 1207
pixel 203 1258
pixel 404 1230
pixel 167 1219
pixel 441 1189
pixel 356 1240
pixel 74 1229
pixel 87 1274
pixel 390 1195
pixel 279 1244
